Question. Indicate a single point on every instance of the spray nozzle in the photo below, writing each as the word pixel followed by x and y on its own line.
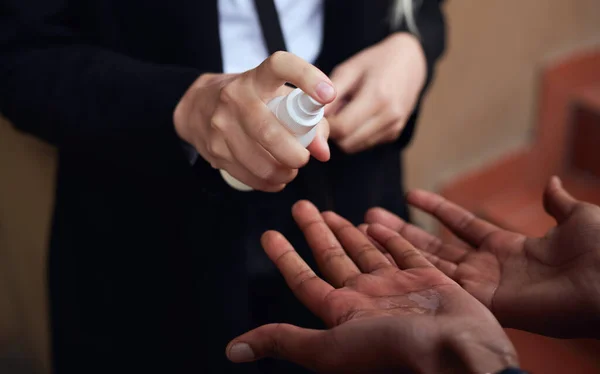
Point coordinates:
pixel 309 105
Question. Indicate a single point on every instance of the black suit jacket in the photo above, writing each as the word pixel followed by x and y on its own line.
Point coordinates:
pixel 148 255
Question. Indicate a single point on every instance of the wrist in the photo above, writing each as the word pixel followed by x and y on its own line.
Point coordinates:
pixel 180 114
pixel 403 37
pixel 410 45
pixel 407 41
pixel 484 354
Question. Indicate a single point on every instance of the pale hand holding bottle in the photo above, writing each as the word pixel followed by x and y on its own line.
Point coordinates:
pixel 226 118
pixel 300 114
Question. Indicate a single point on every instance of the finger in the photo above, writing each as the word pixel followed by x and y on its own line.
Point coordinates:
pixel 359 247
pixel 282 341
pixel 245 159
pixel 331 258
pixel 345 81
pixel 557 201
pixel 360 108
pixel 302 280
pixel 284 67
pixel 446 267
pixel 258 161
pixel 404 253
pixel 461 222
pixel 385 218
pixel 262 126
pixel 388 134
pixel 334 108
pixel 418 237
pixel 367 135
pixel 364 229
pixel 319 148
pixel 351 348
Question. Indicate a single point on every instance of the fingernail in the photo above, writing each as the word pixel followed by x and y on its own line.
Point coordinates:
pixel 325 91
pixel 241 352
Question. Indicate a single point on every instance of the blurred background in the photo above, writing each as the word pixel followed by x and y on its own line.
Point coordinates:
pixel 516 99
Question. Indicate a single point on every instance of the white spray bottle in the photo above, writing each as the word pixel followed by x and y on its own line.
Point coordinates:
pixel 299 113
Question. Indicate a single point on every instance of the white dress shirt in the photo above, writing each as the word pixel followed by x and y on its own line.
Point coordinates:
pixel 242 44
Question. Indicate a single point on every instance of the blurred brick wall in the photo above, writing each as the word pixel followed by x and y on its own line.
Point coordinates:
pixel 484 99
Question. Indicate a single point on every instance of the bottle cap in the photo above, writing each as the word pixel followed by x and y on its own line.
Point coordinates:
pixel 308 104
pixel 234 182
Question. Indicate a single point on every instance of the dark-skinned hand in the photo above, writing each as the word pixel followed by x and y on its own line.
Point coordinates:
pixel 548 285
pixel 382 318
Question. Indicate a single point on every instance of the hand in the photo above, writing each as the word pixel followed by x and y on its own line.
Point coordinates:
pixel 548 285
pixel 225 117
pixel 381 317
pixel 377 92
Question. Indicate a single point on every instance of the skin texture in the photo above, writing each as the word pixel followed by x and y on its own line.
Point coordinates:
pixel 226 119
pixel 377 91
pixel 382 317
pixel 548 285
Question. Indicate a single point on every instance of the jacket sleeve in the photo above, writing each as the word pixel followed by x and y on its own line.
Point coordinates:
pixel 431 26
pixel 59 87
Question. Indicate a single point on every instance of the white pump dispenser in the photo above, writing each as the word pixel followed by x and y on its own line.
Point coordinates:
pixel 299 113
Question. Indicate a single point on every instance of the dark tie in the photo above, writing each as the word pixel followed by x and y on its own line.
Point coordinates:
pixel 271 211
pixel 269 23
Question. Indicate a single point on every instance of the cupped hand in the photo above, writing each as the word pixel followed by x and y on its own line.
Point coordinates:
pixel 226 119
pixel 548 285
pixel 382 317
pixel 377 92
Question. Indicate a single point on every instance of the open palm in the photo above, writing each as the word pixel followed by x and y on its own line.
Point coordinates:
pixel 549 285
pixel 381 316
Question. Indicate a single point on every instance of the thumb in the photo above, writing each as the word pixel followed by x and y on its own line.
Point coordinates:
pixel 319 148
pixel 299 345
pixel 557 201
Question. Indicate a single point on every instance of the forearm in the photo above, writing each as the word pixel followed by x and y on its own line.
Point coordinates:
pixel 74 92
